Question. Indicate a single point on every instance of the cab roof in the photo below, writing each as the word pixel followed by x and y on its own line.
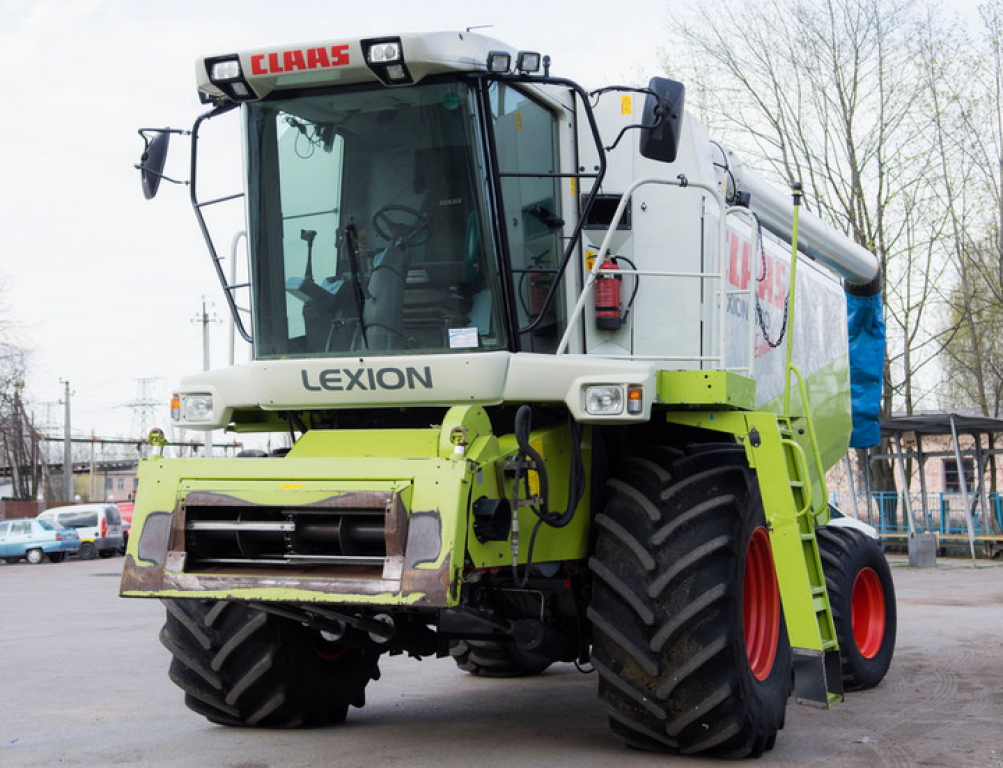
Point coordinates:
pixel 253 74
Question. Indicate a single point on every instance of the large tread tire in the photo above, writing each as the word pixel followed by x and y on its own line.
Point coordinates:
pixel 497 658
pixel 862 599
pixel 240 666
pixel 669 631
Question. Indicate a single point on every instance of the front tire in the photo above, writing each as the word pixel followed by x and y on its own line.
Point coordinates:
pixel 689 639
pixel 496 658
pixel 242 667
pixel 862 598
pixel 34 556
pixel 87 551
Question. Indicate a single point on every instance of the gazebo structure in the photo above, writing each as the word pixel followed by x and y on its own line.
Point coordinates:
pixel 924 436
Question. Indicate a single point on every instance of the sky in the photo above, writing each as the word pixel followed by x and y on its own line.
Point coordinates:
pixel 104 287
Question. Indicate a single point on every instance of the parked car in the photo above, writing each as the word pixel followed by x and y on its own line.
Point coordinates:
pixel 98 525
pixel 34 539
pixel 840 519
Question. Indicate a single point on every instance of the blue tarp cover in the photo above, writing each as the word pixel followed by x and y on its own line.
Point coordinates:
pixel 866 320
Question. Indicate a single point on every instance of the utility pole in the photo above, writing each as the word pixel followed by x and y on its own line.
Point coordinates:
pixel 67 445
pixel 205 319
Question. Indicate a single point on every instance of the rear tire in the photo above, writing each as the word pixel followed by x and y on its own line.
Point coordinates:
pixel 57 557
pixel 496 658
pixel 242 667
pixel 679 560
pixel 862 598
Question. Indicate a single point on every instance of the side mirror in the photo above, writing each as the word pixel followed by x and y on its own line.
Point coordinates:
pixel 663 111
pixel 151 164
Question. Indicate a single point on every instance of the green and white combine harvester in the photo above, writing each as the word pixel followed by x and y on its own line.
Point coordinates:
pixel 546 365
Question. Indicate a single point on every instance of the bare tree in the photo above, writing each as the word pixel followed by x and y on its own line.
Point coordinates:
pixel 827 93
pixel 964 96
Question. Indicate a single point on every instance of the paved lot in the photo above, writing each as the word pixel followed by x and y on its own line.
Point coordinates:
pixel 83 681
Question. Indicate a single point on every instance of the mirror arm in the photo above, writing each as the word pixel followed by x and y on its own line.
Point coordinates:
pixel 141 167
pixel 146 139
pixel 639 126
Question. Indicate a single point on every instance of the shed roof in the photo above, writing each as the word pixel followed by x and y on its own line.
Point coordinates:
pixel 939 423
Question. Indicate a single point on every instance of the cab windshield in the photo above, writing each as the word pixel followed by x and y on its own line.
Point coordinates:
pixel 368 217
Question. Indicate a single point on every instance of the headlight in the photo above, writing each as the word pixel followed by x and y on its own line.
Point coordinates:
pixel 499 62
pixel 196 408
pixel 604 400
pixel 227 69
pixel 226 74
pixel 384 53
pixel 385 57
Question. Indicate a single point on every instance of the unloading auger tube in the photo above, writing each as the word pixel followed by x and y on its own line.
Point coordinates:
pixel 854 263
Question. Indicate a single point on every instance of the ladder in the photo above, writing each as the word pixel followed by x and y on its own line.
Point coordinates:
pixel 817 673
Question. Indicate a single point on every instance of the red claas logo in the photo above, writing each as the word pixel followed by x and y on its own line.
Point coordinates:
pixel 299 59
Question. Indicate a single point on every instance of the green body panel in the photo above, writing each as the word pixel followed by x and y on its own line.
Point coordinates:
pixel 429 479
pixel 829 399
pixel 714 389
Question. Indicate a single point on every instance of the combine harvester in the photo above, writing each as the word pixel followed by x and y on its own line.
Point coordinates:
pixel 545 364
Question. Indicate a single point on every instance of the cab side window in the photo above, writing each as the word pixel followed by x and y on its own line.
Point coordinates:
pixel 526 143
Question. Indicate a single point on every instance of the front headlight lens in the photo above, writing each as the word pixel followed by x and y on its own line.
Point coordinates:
pixel 604 400
pixel 225 70
pixel 384 53
pixel 197 408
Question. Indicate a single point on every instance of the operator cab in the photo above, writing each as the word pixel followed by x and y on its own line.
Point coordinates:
pixel 372 219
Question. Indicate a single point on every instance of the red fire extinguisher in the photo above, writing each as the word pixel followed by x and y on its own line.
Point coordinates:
pixel 608 298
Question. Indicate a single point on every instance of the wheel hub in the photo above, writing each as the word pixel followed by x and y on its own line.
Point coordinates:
pixel 868 613
pixel 761 609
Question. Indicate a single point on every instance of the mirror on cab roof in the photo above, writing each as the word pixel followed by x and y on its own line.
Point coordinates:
pixel 151 164
pixel 663 111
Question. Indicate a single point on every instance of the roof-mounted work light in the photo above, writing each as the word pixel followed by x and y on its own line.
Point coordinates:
pixel 499 62
pixel 226 74
pixel 384 53
pixel 385 57
pixel 527 62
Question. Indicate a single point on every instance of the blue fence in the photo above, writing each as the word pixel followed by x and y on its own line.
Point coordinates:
pixel 945 512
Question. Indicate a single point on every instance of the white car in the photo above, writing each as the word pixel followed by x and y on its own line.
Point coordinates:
pixel 839 520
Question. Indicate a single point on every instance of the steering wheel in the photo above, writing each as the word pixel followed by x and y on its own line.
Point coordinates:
pixel 413 232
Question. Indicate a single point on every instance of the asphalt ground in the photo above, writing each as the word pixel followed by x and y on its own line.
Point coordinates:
pixel 83 681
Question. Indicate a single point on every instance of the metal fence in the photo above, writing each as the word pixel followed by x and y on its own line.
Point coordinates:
pixel 944 512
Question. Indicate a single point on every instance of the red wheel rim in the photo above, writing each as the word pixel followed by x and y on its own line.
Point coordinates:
pixel 761 606
pixel 868 613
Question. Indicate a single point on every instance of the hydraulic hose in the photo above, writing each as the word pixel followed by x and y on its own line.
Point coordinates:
pixel 576 480
pixel 576 487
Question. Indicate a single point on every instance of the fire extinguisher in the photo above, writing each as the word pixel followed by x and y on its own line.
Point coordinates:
pixel 608 297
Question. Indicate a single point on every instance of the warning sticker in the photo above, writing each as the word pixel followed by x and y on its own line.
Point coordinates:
pixel 462 338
